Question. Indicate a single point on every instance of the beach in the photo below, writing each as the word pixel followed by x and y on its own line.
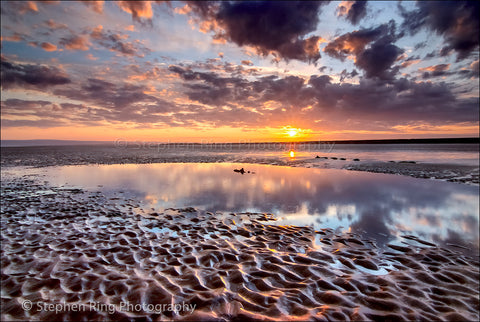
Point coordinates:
pixel 79 252
pixel 448 162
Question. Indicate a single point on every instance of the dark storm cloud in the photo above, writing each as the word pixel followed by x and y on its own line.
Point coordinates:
pixel 238 101
pixel 457 21
pixel 275 27
pixel 31 76
pixel 354 42
pixel 387 102
pixel 355 13
pixel 377 60
pixel 373 49
pixel 212 89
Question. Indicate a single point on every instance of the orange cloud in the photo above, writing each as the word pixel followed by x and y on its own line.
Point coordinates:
pixel 183 10
pixel 54 25
pixel 76 43
pixel 96 6
pixel 16 38
pixel 407 63
pixel 91 57
pixel 138 9
pixel 130 28
pixel 435 68
pixel 29 6
pixel 48 46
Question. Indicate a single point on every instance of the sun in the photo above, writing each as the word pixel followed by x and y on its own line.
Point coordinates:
pixel 292 132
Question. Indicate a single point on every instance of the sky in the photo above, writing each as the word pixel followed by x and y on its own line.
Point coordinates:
pixel 248 71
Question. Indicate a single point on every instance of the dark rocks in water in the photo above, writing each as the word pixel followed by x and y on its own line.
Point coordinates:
pixel 407 162
pixel 334 158
pixel 319 157
pixel 356 159
pixel 343 159
pixel 242 170
pixel 391 161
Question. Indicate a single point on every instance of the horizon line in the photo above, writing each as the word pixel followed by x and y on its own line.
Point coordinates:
pixel 48 142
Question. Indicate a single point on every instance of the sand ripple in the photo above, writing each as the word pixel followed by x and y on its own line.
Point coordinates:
pixel 65 247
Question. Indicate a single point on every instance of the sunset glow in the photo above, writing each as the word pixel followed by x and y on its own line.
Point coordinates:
pixel 292 132
pixel 202 72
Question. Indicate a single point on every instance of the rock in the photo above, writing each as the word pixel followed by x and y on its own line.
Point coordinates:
pixel 242 171
pixel 356 159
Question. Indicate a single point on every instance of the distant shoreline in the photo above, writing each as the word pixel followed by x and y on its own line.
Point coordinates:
pixel 38 143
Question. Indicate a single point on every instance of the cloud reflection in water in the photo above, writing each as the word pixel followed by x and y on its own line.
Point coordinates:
pixel 378 206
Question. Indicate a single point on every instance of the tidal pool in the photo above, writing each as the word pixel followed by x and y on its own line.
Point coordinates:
pixel 378 206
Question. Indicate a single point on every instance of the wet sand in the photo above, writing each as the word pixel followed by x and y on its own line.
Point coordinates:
pixel 78 247
pixel 82 155
pixel 446 172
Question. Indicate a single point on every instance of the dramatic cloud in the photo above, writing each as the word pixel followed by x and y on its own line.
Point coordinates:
pixel 376 59
pixel 353 11
pixel 31 76
pixel 386 69
pixel 270 27
pixel 457 21
pixel 353 43
pixel 396 102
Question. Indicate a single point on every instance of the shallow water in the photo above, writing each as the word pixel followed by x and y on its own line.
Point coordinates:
pixel 377 206
pixel 83 235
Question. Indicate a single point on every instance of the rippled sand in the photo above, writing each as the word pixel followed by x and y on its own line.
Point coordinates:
pixel 76 247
